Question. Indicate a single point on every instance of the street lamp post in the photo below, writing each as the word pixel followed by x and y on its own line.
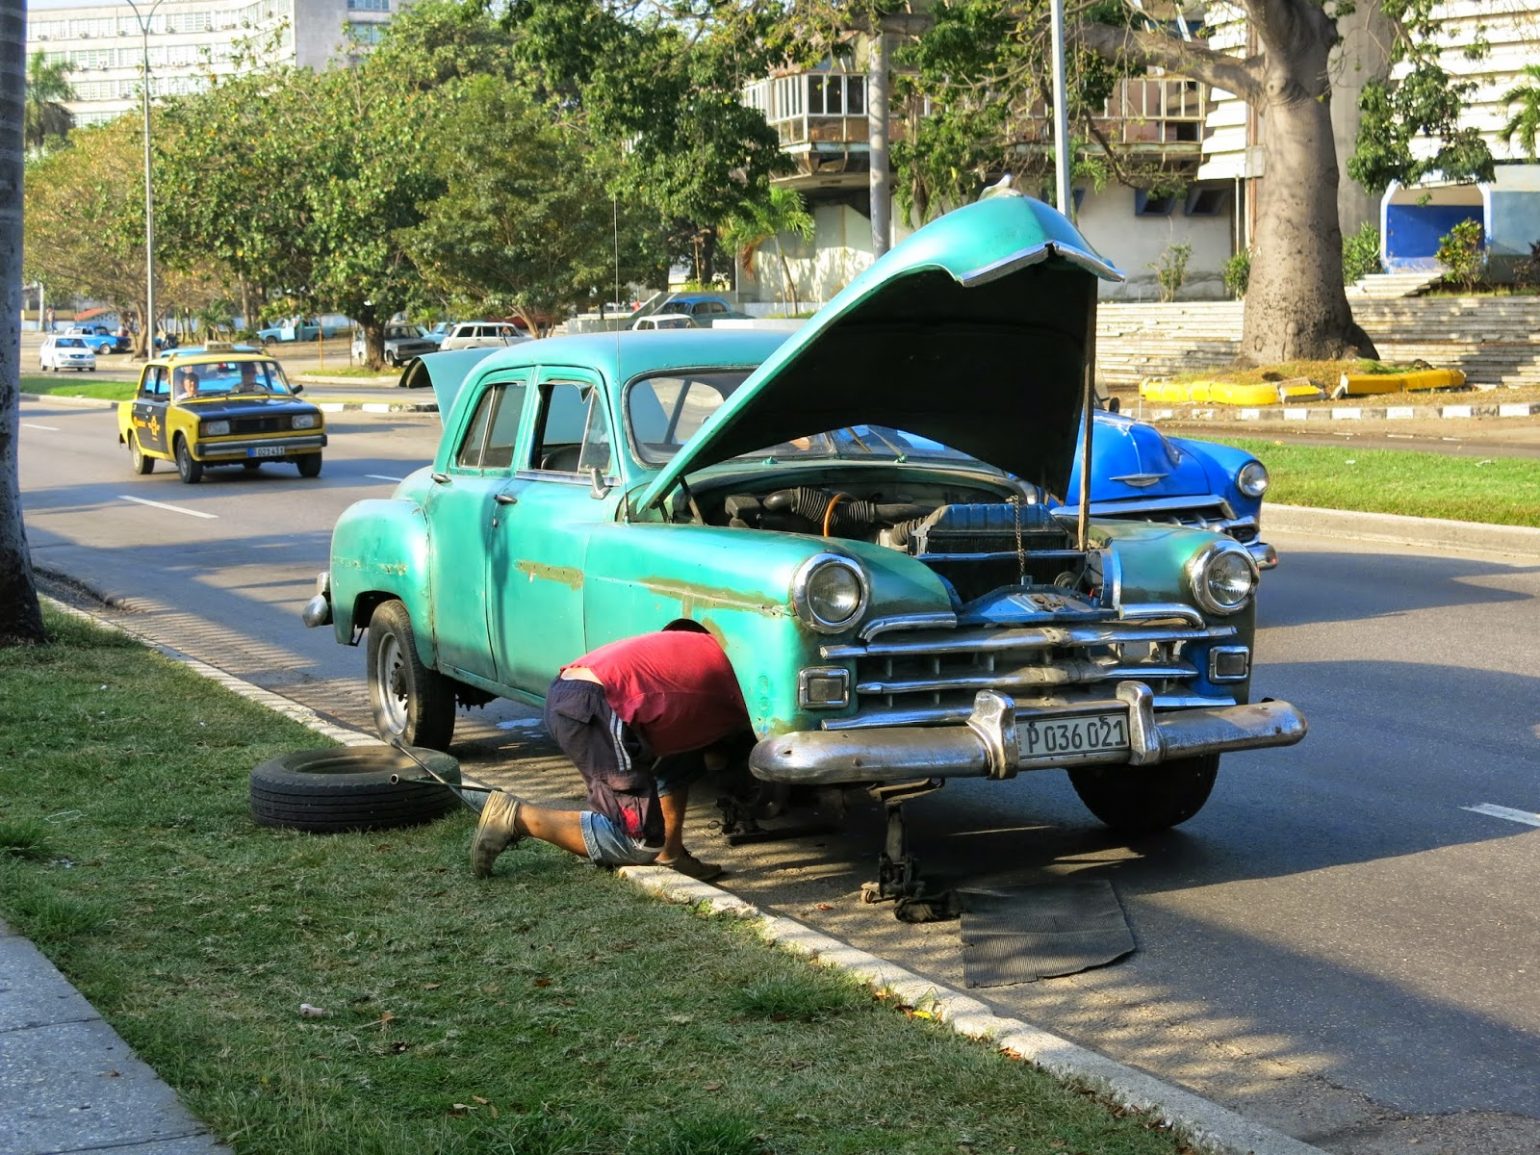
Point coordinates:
pixel 144 19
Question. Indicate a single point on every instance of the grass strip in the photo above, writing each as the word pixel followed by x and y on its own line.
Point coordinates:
pixel 1492 490
pixel 75 385
pixel 551 1010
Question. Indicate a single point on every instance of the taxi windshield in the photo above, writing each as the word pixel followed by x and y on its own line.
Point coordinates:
pixel 232 377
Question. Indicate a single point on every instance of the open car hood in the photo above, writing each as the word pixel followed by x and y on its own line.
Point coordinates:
pixel 446 372
pixel 976 331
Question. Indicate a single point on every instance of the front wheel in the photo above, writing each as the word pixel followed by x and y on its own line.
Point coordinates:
pixel 190 471
pixel 309 465
pixel 410 702
pixel 1144 799
pixel 143 463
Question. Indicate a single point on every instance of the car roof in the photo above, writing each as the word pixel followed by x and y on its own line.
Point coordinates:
pixel 213 351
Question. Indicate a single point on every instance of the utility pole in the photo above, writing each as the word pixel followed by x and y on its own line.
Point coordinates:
pixel 144 19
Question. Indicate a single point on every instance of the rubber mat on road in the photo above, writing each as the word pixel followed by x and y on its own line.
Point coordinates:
pixel 1046 930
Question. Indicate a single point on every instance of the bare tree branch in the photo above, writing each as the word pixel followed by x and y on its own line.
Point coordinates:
pixel 1160 50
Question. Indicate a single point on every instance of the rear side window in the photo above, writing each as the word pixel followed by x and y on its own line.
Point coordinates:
pixel 493 429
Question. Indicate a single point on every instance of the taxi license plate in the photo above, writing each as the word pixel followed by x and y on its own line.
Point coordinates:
pixel 266 451
pixel 1088 734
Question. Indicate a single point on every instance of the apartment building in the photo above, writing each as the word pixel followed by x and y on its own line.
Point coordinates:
pixel 188 40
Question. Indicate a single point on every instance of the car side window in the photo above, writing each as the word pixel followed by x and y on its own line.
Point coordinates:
pixel 493 429
pixel 154 384
pixel 574 429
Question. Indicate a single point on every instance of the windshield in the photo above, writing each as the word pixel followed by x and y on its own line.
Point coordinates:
pixel 665 411
pixel 228 377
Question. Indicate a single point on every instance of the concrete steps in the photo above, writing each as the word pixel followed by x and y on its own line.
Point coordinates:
pixel 1392 286
pixel 1494 340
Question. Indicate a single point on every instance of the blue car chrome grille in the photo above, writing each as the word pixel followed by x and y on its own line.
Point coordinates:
pixel 932 675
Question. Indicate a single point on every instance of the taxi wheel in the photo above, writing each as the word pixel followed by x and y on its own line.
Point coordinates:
pixel 143 463
pixel 191 471
pixel 309 465
pixel 409 701
pixel 350 788
pixel 251 466
pixel 1144 799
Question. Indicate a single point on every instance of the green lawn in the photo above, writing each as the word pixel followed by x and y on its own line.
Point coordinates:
pixel 78 385
pixel 551 1009
pixel 1497 490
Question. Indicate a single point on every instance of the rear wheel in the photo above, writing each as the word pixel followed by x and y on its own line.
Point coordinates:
pixel 142 462
pixel 409 701
pixel 309 465
pixel 190 471
pixel 1144 799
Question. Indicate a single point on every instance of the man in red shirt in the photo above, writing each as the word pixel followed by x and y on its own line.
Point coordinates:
pixel 641 718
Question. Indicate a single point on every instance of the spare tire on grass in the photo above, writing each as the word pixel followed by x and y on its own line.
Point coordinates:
pixel 349 788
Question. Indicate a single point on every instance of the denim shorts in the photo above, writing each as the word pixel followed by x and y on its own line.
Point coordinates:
pixel 609 845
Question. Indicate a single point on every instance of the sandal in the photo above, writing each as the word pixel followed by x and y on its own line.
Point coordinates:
pixel 691 867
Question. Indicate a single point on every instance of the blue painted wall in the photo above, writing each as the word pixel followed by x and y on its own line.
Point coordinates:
pixel 1412 232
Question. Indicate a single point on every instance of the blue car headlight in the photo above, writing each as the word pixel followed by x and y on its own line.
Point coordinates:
pixel 1252 479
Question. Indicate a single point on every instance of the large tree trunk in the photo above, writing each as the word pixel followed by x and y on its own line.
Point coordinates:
pixel 21 618
pixel 1296 307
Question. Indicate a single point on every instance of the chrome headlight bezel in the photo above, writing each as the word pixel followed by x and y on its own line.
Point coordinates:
pixel 805 596
pixel 1201 570
pixel 215 428
pixel 1252 479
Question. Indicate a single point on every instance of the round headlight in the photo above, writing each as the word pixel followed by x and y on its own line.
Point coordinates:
pixel 1252 479
pixel 215 428
pixel 1223 578
pixel 829 592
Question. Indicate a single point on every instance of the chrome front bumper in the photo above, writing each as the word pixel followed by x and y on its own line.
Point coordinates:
pixel 986 745
pixel 242 449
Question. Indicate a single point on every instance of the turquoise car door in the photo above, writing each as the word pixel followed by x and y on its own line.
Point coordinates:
pixel 537 559
pixel 472 491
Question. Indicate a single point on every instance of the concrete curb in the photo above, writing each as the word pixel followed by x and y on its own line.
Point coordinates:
pixel 1206 1126
pixel 1291 414
pixel 1436 533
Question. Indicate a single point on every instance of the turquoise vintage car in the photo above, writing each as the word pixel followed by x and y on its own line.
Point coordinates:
pixel 859 512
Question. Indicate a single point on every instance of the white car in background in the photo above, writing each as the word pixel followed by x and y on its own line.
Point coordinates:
pixel 483 334
pixel 66 352
pixel 665 321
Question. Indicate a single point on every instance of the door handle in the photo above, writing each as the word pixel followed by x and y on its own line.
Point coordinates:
pixel 506 499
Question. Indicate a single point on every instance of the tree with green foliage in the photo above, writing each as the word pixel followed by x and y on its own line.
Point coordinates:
pixel 21 617
pixel 525 224
pixel 1411 125
pixel 48 87
pixel 752 225
pixel 85 222
pixel 661 86
pixel 1524 122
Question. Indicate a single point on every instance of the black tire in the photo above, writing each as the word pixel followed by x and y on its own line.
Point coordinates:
pixel 251 466
pixel 409 701
pixel 349 788
pixel 309 465
pixel 143 463
pixel 189 470
pixel 1144 799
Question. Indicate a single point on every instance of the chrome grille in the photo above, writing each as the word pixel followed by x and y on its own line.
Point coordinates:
pixel 929 675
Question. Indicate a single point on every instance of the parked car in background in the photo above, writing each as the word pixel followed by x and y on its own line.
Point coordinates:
pixel 439 330
pixel 66 351
pixel 481 334
pixel 305 329
pixel 859 511
pixel 100 339
pixel 703 308
pixel 665 321
pixel 402 343
pixel 216 405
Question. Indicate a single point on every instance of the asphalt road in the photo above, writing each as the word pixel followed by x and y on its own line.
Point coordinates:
pixel 1342 944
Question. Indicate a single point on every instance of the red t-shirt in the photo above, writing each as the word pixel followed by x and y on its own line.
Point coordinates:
pixel 676 687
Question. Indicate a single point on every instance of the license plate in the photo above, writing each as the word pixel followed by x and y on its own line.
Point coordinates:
pixel 266 451
pixel 1086 734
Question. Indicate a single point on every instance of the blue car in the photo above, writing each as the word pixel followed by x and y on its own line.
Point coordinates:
pixel 1140 474
pixel 99 339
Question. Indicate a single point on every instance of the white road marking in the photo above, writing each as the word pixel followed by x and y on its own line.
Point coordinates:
pixel 172 508
pixel 1524 816
pixel 382 477
pixel 35 425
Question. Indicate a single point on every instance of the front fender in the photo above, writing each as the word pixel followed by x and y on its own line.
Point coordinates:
pixel 380 551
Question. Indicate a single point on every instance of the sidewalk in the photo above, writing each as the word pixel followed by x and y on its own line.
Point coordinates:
pixel 69 1083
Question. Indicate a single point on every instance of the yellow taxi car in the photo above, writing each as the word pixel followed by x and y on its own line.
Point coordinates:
pixel 219 405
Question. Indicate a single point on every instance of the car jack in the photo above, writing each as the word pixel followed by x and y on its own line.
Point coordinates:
pixel 898 871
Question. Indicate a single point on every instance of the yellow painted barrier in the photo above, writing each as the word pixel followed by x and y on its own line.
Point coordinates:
pixel 1230 393
pixel 1366 384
